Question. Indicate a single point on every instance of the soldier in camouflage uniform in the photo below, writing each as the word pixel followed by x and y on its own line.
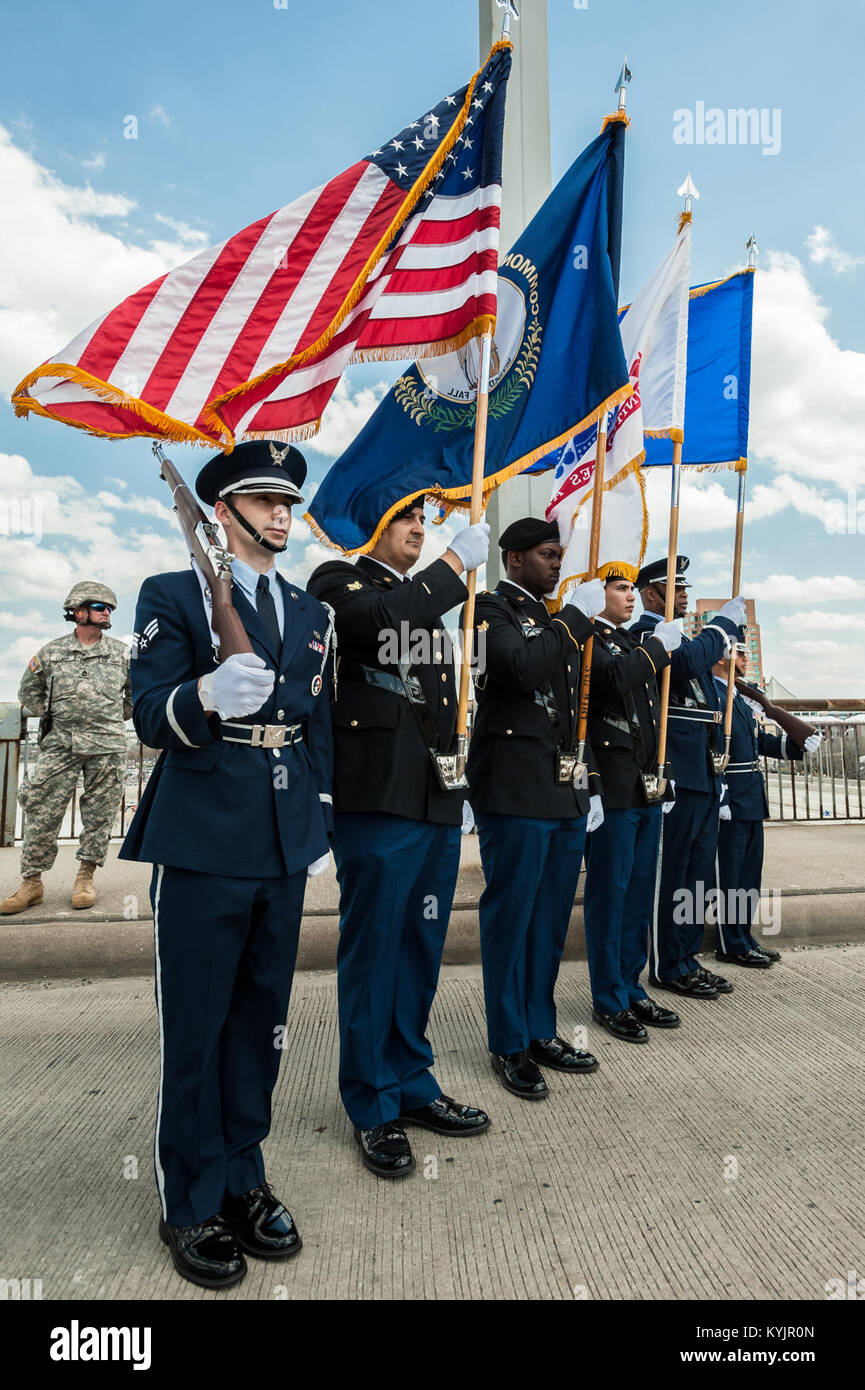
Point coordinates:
pixel 79 684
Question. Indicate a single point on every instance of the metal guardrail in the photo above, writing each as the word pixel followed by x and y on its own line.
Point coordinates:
pixel 826 785
pixel 20 755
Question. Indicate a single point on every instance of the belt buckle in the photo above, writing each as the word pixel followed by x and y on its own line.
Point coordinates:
pixel 267 735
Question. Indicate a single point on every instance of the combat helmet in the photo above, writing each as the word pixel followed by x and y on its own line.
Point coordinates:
pixel 87 591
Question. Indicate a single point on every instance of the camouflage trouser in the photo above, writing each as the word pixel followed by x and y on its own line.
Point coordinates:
pixel 45 795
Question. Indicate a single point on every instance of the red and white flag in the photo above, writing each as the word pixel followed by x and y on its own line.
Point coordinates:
pixel 396 257
pixel 655 339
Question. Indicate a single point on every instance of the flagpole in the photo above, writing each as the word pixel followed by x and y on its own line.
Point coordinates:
pixel 688 191
pixel 592 569
pixel 752 248
pixel 475 508
pixel 597 504
pixel 477 494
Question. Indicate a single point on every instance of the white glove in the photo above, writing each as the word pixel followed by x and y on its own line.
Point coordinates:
pixel 668 805
pixel 668 634
pixel 318 866
pixel 471 545
pixel 468 819
pixel 239 686
pixel 734 609
pixel 596 814
pixel 724 813
pixel 590 598
pixel 813 741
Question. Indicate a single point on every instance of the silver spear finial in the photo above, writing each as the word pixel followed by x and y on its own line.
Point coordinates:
pixel 753 251
pixel 510 12
pixel 622 84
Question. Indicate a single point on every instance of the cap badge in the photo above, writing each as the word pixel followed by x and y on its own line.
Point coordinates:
pixel 278 455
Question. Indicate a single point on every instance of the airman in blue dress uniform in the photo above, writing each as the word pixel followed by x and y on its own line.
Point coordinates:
pixel 689 834
pixel 237 810
pixel 622 854
pixel 532 816
pixel 743 811
pixel 396 828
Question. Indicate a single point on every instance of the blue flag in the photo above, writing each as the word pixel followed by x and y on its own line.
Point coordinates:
pixel 718 385
pixel 557 364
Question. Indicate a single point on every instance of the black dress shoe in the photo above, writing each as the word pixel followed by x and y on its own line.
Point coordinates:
pixel 691 985
pixel 649 1012
pixel 206 1253
pixel 753 960
pixel 716 981
pixel 385 1150
pixel 519 1075
pixel 624 1025
pixel 261 1224
pixel 446 1116
pixel 556 1053
pixel 768 951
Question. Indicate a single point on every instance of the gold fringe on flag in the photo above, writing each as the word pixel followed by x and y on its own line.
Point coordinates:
pixel 412 198
pixel 165 427
pixel 461 496
pixel 619 568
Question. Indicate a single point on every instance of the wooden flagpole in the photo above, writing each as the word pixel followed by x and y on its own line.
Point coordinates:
pixel 477 494
pixel 669 605
pixel 688 191
pixel 475 509
pixel 594 552
pixel 752 248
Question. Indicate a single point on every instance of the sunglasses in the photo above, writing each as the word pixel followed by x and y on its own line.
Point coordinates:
pixel 100 607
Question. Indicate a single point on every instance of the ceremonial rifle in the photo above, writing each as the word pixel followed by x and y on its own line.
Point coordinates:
pixel 797 729
pixel 212 559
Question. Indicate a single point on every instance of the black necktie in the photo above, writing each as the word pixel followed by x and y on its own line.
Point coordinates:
pixel 267 611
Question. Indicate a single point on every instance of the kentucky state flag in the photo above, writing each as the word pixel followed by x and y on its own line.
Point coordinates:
pixel 718 384
pixel 557 364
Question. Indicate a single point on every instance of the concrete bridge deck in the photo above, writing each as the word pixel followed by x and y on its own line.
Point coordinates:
pixel 721 1161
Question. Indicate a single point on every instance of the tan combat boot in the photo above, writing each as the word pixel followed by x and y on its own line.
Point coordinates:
pixel 83 892
pixel 30 892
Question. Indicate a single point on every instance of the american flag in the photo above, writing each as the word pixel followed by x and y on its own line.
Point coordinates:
pixel 397 257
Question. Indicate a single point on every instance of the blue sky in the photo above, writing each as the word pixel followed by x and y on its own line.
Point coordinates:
pixel 243 107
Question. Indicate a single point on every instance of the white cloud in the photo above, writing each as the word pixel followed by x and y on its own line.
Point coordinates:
pixel 817 668
pixel 818 621
pixel 159 115
pixel 96 162
pixel 791 589
pixel 822 249
pixel 79 536
pixel 59 269
pixel 807 392
pixel 192 237
pixel 346 414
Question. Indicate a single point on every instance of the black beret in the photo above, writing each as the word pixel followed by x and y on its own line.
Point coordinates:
pixel 529 531
pixel 656 573
pixel 259 465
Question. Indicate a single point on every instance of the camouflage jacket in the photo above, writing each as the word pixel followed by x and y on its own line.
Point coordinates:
pixel 88 690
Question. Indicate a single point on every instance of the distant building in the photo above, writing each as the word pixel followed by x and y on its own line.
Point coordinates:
pixel 708 608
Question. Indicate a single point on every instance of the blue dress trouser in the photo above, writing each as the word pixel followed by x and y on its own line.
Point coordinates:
pixel 621 868
pixel 689 842
pixel 740 873
pixel 531 868
pixel 224 953
pixel 397 879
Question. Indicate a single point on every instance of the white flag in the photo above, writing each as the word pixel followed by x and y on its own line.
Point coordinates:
pixel 655 340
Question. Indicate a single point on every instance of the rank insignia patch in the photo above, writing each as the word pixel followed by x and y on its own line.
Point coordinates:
pixel 143 641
